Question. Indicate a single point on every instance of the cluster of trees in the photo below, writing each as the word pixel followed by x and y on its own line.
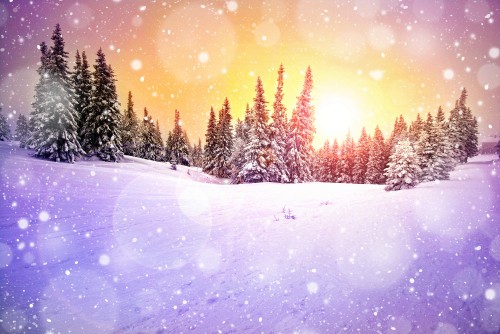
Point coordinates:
pixel 427 150
pixel 273 149
pixel 261 149
pixel 73 112
pixel 143 139
pixel 77 112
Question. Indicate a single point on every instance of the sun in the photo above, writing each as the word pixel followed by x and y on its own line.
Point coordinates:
pixel 335 115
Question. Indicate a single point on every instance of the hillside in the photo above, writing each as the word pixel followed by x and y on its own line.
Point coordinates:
pixel 135 247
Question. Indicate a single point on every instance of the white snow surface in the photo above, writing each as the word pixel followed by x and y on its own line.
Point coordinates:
pixel 135 247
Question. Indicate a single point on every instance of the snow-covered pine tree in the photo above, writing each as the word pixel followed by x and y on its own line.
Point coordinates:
pixel 403 169
pixel 301 135
pixel 160 148
pixel 241 141
pixel 4 127
pixel 362 157
pixel 444 145
pixel 258 152
pixel 377 161
pixel 130 128
pixel 431 157
pixel 278 171
pixel 472 140
pixel 399 132
pixel 41 98
pixel 197 154
pixel 415 128
pixel 334 162
pixel 178 146
pixel 169 144
pixel 463 130
pixel 224 140
pixel 248 122
pixel 346 161
pixel 56 136
pixel 82 83
pixel 322 171
pixel 101 135
pixel 210 144
pixel 22 130
pixel 456 133
pixel 148 146
pixel 237 160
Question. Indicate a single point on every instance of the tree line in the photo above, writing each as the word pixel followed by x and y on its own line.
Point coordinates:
pixel 264 148
pixel 426 150
pixel 77 112
pixel 273 149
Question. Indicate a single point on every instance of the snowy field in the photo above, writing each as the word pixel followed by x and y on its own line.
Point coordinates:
pixel 135 247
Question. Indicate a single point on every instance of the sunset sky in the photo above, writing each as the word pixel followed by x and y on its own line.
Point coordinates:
pixel 371 59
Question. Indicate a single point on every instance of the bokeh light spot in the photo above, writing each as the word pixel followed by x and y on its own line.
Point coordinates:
pixel 43 216
pixel 448 74
pixel 203 57
pixel 494 53
pixel 104 260
pixel 232 6
pixel 312 287
pixel 23 223
pixel 136 64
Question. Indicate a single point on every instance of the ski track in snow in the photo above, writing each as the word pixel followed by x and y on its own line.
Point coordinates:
pixel 135 247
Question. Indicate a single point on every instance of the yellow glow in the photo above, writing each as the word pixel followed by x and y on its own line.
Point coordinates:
pixel 335 115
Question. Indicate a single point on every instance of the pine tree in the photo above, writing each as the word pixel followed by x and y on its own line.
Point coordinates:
pixel 237 160
pixel 455 133
pixel 224 140
pixel 82 83
pixel 4 127
pixel 415 128
pixel 472 140
pixel 197 154
pixel 278 171
pixel 347 157
pixel 431 156
pixel 444 146
pixel 210 144
pixel 41 98
pixel 463 130
pixel 322 170
pixel 169 144
pixel 241 141
pixel 361 159
pixel 258 152
pixel 403 169
pixel 160 148
pixel 248 122
pixel 22 130
pixel 178 146
pixel 301 135
pixel 148 146
pixel 377 161
pixel 334 163
pixel 101 133
pixel 399 132
pixel 129 128
pixel 55 135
